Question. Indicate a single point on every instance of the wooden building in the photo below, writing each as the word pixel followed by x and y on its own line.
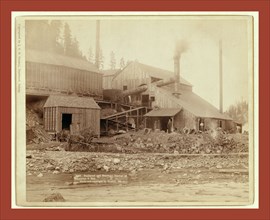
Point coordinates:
pixel 161 92
pixel 194 109
pixel 136 74
pixel 108 76
pixel 71 113
pixel 49 73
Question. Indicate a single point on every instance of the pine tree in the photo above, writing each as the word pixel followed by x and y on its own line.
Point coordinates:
pixel 46 35
pixel 113 61
pixel 71 45
pixel 101 60
pixel 67 40
pixel 122 63
pixel 55 38
pixel 91 55
pixel 239 111
pixel 76 52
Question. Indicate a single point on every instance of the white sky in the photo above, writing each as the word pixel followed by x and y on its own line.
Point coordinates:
pixel 152 41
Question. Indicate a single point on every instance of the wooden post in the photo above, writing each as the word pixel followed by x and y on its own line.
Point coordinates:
pixel 137 126
pixel 107 127
pixel 127 122
pixel 172 125
pixel 117 124
pixel 220 79
pixel 145 122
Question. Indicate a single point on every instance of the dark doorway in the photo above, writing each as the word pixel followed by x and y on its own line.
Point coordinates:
pixel 220 124
pixel 145 100
pixel 66 121
pixel 164 124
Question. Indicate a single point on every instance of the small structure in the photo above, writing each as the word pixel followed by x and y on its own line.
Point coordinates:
pixel 159 118
pixel 71 113
pixel 239 126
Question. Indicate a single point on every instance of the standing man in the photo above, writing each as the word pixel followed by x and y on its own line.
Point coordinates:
pixel 169 126
pixel 201 125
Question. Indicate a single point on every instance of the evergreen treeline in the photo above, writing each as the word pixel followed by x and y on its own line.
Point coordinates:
pixel 239 112
pixel 53 36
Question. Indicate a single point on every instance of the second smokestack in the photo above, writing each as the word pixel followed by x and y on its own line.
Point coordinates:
pixel 220 78
pixel 177 73
pixel 97 43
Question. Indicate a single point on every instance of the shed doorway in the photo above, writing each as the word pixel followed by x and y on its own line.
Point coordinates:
pixel 66 121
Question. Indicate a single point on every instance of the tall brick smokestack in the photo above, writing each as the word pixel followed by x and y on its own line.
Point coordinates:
pixel 177 72
pixel 97 43
pixel 220 78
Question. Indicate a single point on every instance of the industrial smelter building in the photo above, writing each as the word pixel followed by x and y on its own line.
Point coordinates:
pixel 171 98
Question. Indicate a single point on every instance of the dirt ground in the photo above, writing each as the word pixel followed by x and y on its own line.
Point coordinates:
pixel 178 168
pixel 152 178
pixel 220 191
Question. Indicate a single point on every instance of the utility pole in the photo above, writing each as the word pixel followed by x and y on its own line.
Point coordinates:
pixel 220 78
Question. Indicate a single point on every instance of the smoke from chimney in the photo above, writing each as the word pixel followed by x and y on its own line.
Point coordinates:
pixel 181 47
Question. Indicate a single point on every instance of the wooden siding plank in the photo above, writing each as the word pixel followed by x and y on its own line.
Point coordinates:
pixel 59 78
pixel 52 128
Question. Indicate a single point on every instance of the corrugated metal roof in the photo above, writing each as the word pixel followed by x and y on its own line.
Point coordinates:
pixel 194 104
pixel 71 101
pixel 45 57
pixel 163 112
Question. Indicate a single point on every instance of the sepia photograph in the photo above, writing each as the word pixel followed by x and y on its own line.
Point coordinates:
pixel 135 109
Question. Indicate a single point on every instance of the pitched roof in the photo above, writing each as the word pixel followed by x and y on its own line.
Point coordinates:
pixel 71 101
pixel 195 104
pixel 110 72
pixel 163 112
pixel 160 73
pixel 153 72
pixel 59 60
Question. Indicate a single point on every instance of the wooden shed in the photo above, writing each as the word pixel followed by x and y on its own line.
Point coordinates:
pixel 71 113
